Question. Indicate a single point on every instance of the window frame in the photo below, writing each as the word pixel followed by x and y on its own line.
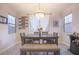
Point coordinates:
pixel 67 23
pixel 11 25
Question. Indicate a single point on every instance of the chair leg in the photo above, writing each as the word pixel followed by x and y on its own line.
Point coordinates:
pixel 29 53
pixel 57 52
pixel 22 52
pixel 47 52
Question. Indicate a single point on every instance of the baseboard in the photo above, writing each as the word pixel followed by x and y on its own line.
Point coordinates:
pixel 8 47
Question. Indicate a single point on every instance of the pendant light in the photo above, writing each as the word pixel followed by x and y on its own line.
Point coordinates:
pixel 39 14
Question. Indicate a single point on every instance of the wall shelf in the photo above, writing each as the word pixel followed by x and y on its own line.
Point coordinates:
pixel 23 22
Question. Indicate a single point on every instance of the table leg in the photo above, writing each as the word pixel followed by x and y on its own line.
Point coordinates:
pixel 22 52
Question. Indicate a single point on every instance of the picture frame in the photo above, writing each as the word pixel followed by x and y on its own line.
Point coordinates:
pixel 3 20
pixel 55 23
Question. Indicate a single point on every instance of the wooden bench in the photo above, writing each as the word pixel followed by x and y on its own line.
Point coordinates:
pixel 39 47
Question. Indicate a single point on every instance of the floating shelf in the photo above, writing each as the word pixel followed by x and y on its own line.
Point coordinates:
pixel 23 22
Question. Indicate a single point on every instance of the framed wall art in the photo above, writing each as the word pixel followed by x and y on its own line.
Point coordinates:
pixel 3 20
pixel 55 23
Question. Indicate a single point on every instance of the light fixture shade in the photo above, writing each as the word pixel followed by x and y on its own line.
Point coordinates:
pixel 40 14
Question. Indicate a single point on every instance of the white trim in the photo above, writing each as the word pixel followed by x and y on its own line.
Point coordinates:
pixel 3 50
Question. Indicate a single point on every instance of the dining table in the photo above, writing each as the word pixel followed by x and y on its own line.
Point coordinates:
pixel 42 37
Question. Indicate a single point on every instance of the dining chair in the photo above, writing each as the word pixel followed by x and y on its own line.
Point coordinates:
pixel 44 33
pixel 54 40
pixel 43 40
pixel 55 34
pixel 24 40
pixel 22 35
pixel 36 41
pixel 36 33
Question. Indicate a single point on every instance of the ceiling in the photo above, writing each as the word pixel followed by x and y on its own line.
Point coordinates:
pixel 30 8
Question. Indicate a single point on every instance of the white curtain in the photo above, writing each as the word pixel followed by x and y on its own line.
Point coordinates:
pixel 35 23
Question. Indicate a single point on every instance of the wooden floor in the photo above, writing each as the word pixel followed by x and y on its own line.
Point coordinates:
pixel 15 50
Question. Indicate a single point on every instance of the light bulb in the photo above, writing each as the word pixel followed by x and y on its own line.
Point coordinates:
pixel 40 15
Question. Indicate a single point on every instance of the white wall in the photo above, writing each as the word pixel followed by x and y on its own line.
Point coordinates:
pixel 74 9
pixel 57 29
pixel 6 40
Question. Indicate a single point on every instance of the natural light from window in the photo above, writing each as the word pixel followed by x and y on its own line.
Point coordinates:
pixel 11 24
pixel 68 23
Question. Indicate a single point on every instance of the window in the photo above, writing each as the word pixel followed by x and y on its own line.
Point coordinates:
pixel 11 24
pixel 35 23
pixel 68 23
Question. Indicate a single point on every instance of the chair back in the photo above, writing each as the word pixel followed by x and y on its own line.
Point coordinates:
pixel 36 33
pixel 22 35
pixel 44 33
pixel 55 34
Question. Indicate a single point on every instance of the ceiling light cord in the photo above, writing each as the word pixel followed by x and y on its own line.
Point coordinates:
pixel 39 6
